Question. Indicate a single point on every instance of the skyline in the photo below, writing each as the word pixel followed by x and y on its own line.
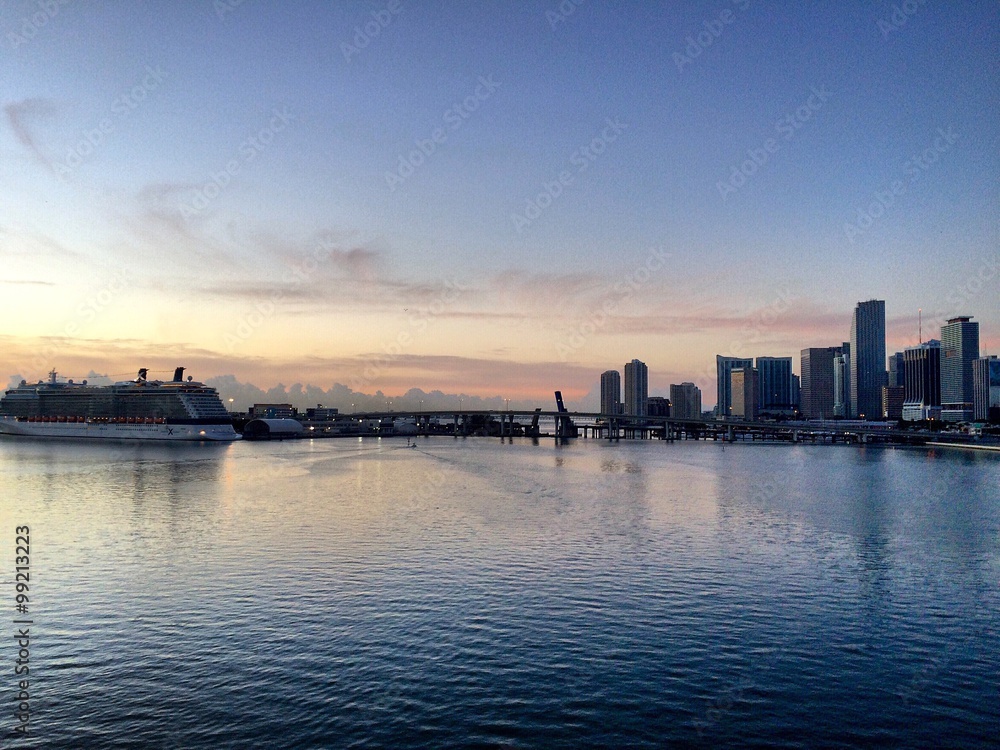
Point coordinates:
pixel 488 200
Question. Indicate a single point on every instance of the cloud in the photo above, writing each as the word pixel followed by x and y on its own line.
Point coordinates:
pixel 20 117
pixel 31 243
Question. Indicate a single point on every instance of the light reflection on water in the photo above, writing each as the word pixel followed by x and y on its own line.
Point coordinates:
pixel 343 592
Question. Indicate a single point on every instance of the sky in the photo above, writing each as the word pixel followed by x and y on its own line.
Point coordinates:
pixel 494 199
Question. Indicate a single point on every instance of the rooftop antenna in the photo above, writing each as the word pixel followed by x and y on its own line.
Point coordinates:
pixel 920 324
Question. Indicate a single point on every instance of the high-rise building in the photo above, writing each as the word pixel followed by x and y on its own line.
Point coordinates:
pixel 774 379
pixel 892 401
pixel 723 367
pixel 897 369
pixel 817 382
pixel 986 389
pixel 842 381
pixel 867 359
pixel 685 400
pixel 745 388
pixel 959 349
pixel 611 392
pixel 923 381
pixel 796 393
pixel 636 388
pixel 657 406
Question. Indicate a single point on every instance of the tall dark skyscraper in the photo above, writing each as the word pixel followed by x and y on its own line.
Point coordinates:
pixel 897 369
pixel 685 401
pixel 816 387
pixel 959 349
pixel 611 392
pixel 774 382
pixel 922 398
pixel 867 359
pixel 636 388
pixel 724 367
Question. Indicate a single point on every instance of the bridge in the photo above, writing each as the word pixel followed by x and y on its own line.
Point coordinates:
pixel 598 425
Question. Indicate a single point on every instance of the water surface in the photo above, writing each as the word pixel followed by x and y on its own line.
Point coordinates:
pixel 359 593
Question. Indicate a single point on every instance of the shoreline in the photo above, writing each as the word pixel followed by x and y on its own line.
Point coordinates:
pixel 966 446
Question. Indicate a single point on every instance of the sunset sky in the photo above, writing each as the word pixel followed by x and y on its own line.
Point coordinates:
pixel 490 198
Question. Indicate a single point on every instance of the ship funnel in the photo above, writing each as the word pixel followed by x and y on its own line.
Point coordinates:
pixel 142 375
pixel 179 375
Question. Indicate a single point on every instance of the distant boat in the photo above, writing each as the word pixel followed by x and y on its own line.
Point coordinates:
pixel 406 426
pixel 137 409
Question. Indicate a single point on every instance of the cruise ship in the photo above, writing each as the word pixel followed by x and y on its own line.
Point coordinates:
pixel 139 409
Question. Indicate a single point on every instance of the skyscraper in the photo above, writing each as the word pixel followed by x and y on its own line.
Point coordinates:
pixel 636 388
pixel 745 389
pixel 923 381
pixel 816 385
pixel 658 406
pixel 611 392
pixel 842 381
pixel 986 389
pixel 867 359
pixel 685 401
pixel 959 349
pixel 893 397
pixel 774 379
pixel 723 368
pixel 897 369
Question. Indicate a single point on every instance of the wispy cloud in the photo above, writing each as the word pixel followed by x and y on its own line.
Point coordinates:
pixel 21 117
pixel 25 241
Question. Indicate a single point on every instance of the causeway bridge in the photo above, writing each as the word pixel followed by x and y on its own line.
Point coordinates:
pixel 597 425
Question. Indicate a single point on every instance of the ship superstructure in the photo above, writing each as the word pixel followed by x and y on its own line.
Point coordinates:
pixel 139 409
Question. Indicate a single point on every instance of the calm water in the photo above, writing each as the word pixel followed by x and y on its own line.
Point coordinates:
pixel 472 593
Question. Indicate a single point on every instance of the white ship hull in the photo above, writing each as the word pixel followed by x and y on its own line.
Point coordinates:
pixel 99 430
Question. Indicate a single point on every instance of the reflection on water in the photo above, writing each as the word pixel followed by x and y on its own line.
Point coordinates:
pixel 519 593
